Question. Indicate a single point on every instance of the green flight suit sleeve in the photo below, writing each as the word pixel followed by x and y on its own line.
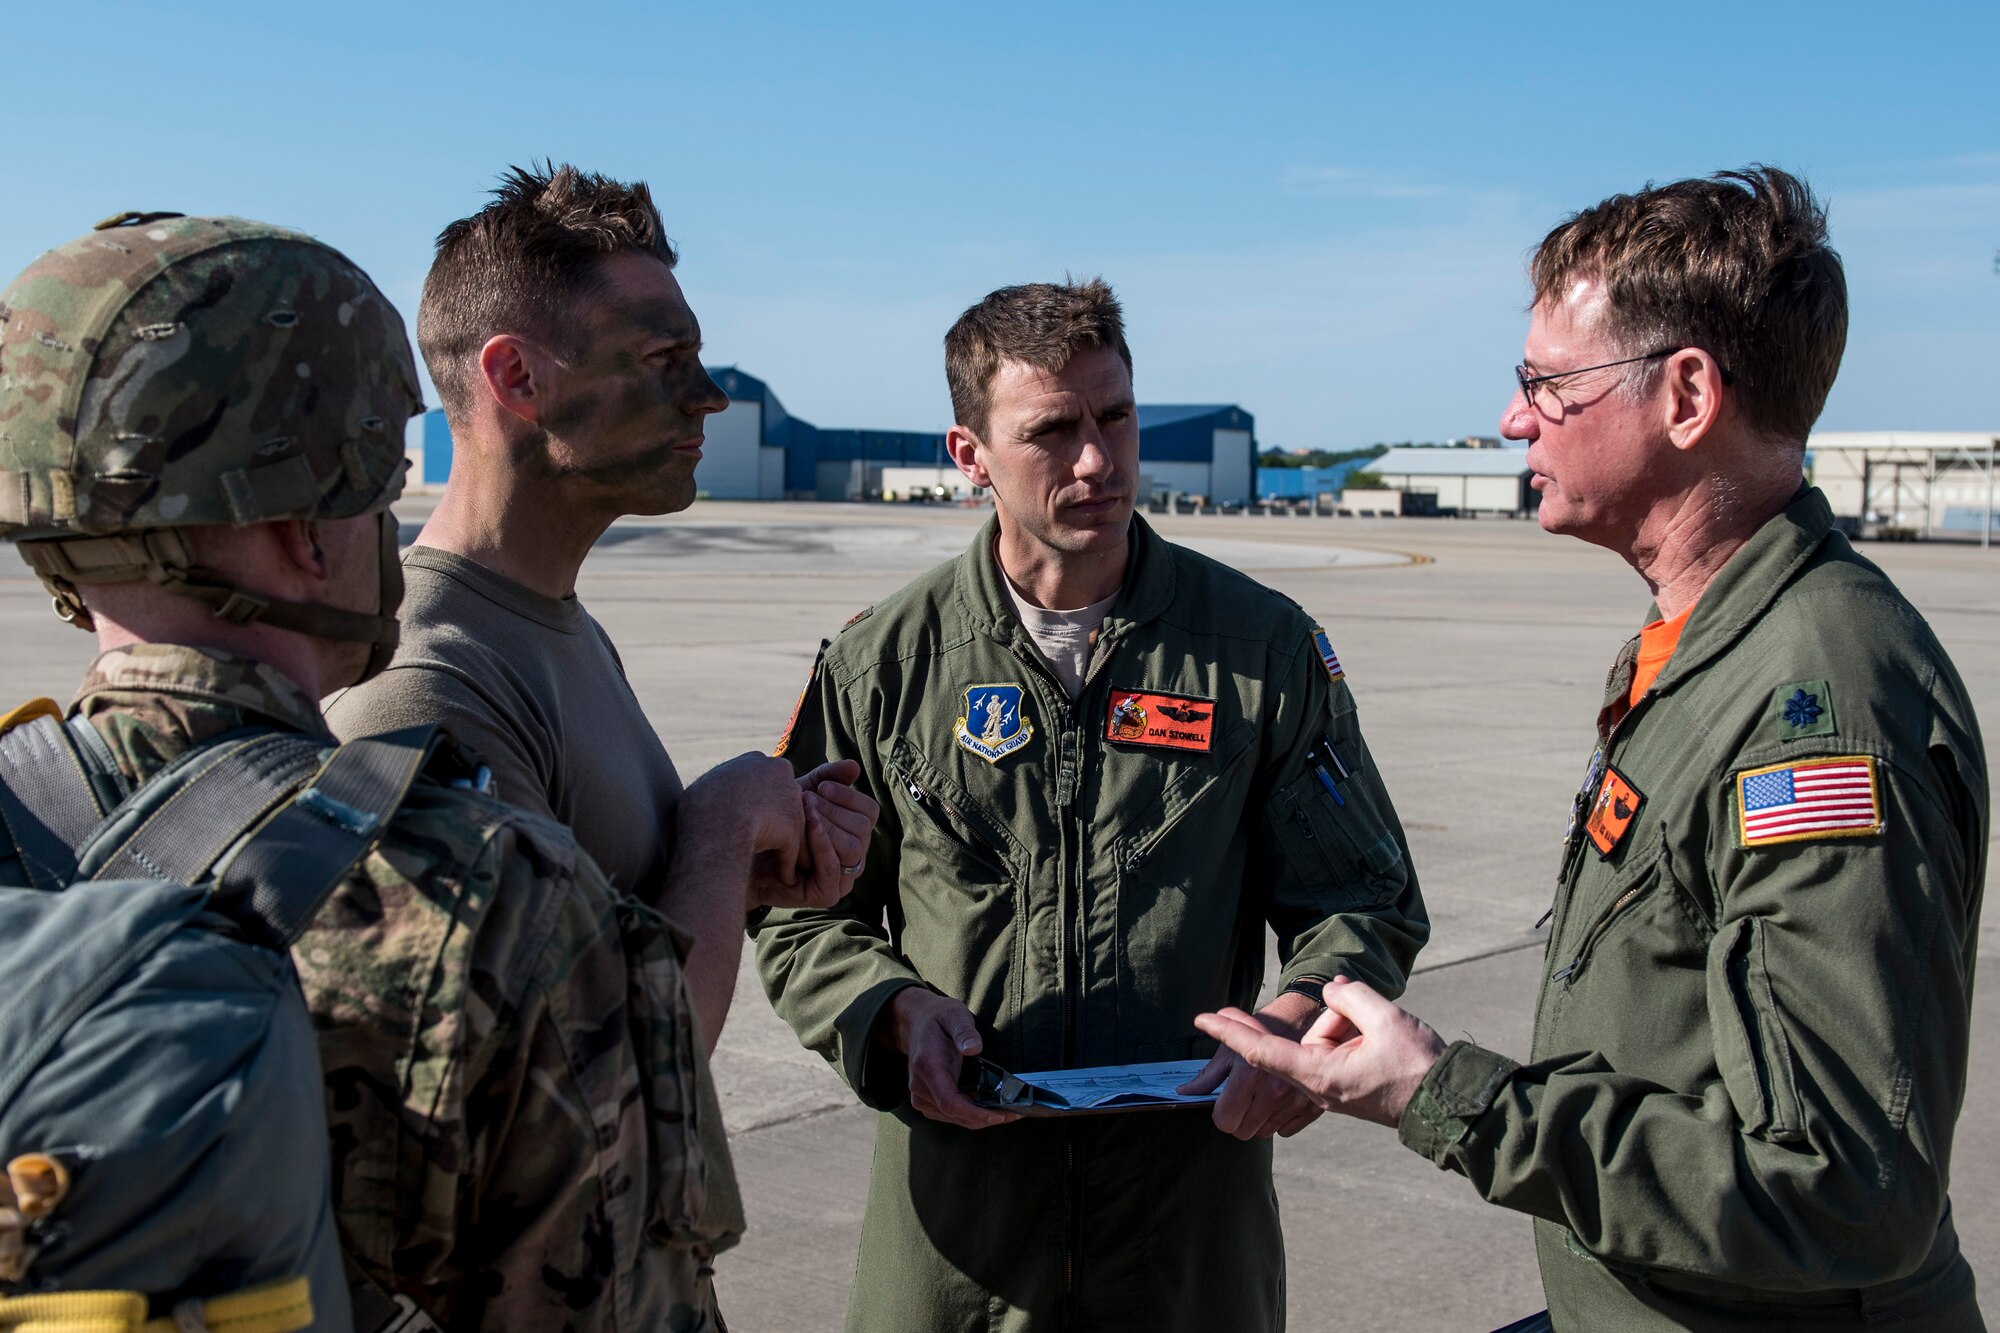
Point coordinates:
pixel 1341 892
pixel 831 971
pixel 1838 995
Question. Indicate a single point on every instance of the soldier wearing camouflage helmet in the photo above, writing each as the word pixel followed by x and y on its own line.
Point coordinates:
pixel 200 437
pixel 171 373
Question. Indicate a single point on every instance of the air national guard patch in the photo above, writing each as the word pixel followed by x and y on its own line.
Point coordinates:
pixel 1334 671
pixel 1612 813
pixel 993 725
pixel 1808 799
pixel 1170 721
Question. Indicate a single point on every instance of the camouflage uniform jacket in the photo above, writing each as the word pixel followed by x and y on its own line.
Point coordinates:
pixel 510 1057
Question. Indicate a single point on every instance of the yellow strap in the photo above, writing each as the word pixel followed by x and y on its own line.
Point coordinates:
pixel 73 1312
pixel 275 1307
pixel 28 712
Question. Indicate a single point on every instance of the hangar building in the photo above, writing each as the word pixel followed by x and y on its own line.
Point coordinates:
pixel 1911 482
pixel 1472 481
pixel 749 444
pixel 1199 449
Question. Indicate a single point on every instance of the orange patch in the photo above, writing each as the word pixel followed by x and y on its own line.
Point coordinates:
pixel 792 722
pixel 1612 813
pixel 1170 721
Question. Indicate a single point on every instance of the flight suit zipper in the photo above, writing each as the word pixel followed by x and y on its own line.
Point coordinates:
pixel 1071 911
pixel 1567 973
pixel 1071 935
pixel 1068 759
pixel 1573 850
pixel 1140 852
pixel 968 829
pixel 1070 784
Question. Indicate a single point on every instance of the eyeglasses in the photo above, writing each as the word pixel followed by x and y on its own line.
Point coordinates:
pixel 1529 383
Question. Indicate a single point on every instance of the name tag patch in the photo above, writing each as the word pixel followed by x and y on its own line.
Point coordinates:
pixel 1612 813
pixel 1808 799
pixel 1169 721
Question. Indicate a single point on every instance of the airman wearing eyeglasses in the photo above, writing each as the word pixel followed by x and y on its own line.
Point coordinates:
pixel 1750 1046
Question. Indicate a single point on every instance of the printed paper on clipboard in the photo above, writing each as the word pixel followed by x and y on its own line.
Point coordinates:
pixel 1101 1090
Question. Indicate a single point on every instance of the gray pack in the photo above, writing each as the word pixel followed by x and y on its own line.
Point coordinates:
pixel 163 1136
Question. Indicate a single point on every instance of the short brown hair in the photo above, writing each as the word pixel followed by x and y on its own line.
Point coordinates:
pixel 1041 324
pixel 1736 264
pixel 521 264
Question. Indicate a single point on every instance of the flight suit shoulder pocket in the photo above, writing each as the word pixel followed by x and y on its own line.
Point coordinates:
pixel 1752 1050
pixel 1337 841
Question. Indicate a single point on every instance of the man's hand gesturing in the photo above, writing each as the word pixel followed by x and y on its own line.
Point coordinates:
pixel 1254 1104
pixel 1365 1057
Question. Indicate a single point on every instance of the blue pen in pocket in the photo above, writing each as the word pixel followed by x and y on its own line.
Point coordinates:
pixel 1319 771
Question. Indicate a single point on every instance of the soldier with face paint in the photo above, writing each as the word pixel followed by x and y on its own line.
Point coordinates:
pixel 570 368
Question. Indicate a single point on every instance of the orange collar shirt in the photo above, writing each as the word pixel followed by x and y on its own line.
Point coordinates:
pixel 1657 642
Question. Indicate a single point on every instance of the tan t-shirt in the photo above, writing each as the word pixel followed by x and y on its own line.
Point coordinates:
pixel 1067 638
pixel 533 686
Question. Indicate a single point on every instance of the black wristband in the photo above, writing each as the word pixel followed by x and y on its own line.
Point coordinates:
pixel 1313 988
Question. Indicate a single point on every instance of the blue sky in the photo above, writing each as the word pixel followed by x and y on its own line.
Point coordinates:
pixel 1317 211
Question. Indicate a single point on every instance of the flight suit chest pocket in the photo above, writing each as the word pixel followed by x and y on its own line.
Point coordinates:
pixel 1337 840
pixel 945 821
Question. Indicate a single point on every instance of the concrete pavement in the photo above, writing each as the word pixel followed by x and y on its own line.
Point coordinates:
pixel 1477 652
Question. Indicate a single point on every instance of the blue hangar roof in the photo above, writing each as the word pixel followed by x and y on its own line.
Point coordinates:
pixel 781 429
pixel 1166 414
pixel 1168 432
pixel 1185 432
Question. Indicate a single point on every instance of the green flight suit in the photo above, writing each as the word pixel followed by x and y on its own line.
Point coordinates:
pixel 1750 1047
pixel 1085 897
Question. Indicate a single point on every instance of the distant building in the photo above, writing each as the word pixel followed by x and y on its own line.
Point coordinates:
pixel 749 444
pixel 756 450
pixel 1914 482
pixel 1471 481
pixel 1205 449
pixel 1307 483
pixel 850 464
pixel 433 463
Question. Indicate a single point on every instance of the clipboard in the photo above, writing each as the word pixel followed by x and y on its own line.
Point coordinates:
pixel 1103 1090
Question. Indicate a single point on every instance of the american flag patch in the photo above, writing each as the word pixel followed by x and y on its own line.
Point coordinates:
pixel 1326 654
pixel 1809 798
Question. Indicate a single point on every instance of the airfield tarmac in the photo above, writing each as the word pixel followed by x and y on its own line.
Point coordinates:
pixel 1477 652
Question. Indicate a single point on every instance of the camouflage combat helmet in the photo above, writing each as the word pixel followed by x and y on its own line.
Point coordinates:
pixel 167 371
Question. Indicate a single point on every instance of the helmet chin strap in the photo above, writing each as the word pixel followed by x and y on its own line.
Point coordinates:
pixel 163 556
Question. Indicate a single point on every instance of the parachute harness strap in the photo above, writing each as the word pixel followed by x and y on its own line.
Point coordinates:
pixel 275 1307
